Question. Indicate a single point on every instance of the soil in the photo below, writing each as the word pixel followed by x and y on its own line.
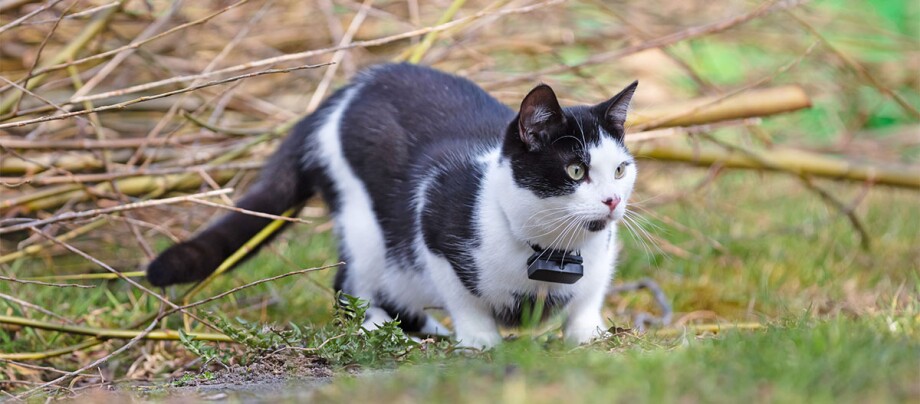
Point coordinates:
pixel 277 376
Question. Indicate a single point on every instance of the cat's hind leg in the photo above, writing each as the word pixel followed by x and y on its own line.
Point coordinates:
pixel 416 321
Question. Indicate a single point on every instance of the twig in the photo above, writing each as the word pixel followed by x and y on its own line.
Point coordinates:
pixel 79 14
pixel 20 20
pixel 57 285
pixel 216 129
pixel 317 52
pixel 108 333
pixel 38 54
pixel 337 57
pixel 35 249
pixel 86 277
pixel 120 275
pixel 34 306
pixel 120 208
pixel 713 101
pixel 708 328
pixel 666 40
pixel 251 284
pixel 82 178
pixel 861 71
pixel 789 160
pixel 644 320
pixel 419 50
pixel 122 105
pixel 90 144
pixel 247 212
pixel 864 240
pixel 93 28
pixel 706 110
pixel 95 363
pixel 33 367
pixel 238 255
pixel 57 65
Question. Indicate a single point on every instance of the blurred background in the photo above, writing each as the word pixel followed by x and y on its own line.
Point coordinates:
pixel 779 147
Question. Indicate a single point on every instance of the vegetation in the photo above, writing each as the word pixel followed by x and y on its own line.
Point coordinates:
pixel 788 247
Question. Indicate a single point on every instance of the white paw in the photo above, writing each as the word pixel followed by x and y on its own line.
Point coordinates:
pixel 481 341
pixel 585 331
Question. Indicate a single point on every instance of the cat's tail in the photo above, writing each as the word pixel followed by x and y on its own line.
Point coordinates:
pixel 285 182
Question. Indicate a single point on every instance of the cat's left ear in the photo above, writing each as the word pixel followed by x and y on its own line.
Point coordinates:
pixel 613 111
pixel 540 117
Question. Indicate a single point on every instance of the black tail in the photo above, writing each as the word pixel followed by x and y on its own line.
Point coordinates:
pixel 283 184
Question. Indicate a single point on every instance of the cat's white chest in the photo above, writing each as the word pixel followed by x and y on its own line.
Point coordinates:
pixel 502 261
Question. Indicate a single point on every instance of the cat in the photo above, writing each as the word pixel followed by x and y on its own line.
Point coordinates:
pixel 444 197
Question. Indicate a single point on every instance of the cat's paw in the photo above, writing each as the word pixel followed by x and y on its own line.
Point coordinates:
pixel 481 341
pixel 585 332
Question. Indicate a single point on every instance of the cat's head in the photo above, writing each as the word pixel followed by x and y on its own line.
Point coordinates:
pixel 571 163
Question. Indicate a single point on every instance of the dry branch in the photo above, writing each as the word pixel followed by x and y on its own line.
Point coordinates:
pixel 57 285
pixel 90 144
pixel 705 110
pixel 120 208
pixel 106 333
pixel 794 161
pixel 317 52
pixel 93 28
pixel 122 105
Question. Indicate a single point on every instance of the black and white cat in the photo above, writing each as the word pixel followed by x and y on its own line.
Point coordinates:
pixel 440 196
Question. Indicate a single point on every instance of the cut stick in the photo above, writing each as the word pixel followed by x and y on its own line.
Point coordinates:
pixel 699 111
pixel 106 333
pixel 794 161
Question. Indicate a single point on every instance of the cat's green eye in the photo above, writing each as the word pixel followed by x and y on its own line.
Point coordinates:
pixel 621 171
pixel 576 171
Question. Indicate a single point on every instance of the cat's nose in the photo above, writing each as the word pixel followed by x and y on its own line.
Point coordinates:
pixel 611 203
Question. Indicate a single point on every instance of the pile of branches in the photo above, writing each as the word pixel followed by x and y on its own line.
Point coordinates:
pixel 110 108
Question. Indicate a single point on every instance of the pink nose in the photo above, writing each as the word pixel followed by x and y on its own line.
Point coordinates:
pixel 611 203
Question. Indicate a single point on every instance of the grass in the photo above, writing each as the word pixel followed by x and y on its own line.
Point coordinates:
pixel 837 360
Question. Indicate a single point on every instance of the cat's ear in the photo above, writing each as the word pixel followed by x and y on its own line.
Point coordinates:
pixel 613 111
pixel 540 117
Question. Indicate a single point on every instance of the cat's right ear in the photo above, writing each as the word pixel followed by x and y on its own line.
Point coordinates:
pixel 540 117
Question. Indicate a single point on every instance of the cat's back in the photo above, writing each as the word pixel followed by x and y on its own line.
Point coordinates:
pixel 427 104
pixel 398 119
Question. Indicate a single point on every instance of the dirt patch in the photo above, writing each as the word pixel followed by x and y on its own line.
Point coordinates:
pixel 269 373
pixel 287 375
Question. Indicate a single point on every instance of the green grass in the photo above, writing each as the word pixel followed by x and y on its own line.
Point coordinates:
pixel 837 360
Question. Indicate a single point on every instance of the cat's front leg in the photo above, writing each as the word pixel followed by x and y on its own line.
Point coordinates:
pixel 584 322
pixel 474 324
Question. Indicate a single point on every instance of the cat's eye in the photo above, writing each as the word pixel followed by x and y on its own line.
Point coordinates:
pixel 621 171
pixel 576 171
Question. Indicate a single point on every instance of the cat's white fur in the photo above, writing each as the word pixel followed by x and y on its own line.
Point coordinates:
pixel 508 218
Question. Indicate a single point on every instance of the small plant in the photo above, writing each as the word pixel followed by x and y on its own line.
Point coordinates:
pixel 344 341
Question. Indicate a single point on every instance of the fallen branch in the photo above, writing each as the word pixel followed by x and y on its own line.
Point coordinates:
pixel 120 208
pixel 107 333
pixel 705 110
pixel 122 105
pixel 57 285
pixel 92 29
pixel 794 161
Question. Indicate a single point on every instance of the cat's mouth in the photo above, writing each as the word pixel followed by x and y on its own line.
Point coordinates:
pixel 597 225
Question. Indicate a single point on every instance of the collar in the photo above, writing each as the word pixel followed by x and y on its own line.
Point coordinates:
pixel 557 266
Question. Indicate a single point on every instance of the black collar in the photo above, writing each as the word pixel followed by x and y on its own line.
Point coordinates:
pixel 557 266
